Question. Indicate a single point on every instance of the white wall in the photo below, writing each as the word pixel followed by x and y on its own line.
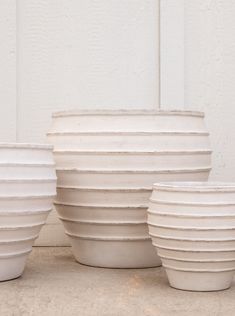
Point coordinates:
pixel 210 75
pixel 66 54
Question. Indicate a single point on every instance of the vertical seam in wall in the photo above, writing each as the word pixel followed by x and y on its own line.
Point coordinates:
pixel 17 70
pixel 159 54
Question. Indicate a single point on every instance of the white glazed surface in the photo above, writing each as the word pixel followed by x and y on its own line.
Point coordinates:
pixel 125 178
pixel 27 190
pixel 131 160
pixel 114 157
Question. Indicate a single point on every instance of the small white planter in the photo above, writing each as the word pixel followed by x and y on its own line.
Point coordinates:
pixel 27 190
pixel 195 243
pixel 106 164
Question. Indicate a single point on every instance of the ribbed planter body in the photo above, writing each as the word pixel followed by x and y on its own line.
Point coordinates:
pixel 27 190
pixel 192 225
pixel 106 164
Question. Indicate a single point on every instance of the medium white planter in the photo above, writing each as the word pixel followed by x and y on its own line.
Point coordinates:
pixel 27 190
pixel 106 164
pixel 192 226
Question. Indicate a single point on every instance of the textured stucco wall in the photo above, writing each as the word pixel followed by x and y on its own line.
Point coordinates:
pixel 210 75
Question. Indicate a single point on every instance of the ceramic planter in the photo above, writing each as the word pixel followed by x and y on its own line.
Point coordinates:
pixel 192 226
pixel 106 164
pixel 27 190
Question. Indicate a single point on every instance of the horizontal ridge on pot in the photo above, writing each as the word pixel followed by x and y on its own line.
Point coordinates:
pixel 30 217
pixel 26 203
pixel 19 232
pixel 107 162
pixel 184 220
pixel 32 186
pixel 128 120
pixel 27 171
pixel 106 229
pixel 11 246
pixel 136 140
pixel 131 160
pixel 26 154
pixel 124 178
pixel 109 213
pixel 103 196
pixel 191 232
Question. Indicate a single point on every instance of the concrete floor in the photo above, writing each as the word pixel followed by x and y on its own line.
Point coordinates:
pixel 55 284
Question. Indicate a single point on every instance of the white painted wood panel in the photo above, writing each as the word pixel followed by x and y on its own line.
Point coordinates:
pixel 172 54
pixel 83 54
pixel 7 70
pixel 210 76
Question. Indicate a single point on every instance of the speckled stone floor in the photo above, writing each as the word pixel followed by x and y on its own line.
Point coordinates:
pixel 55 284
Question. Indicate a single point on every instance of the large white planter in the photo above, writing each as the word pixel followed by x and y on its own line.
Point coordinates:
pixel 192 226
pixel 106 164
pixel 27 190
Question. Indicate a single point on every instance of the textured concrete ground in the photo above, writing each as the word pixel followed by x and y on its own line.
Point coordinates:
pixel 54 284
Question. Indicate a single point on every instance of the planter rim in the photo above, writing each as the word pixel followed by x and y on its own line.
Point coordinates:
pixel 26 146
pixel 126 112
pixel 105 171
pixel 196 187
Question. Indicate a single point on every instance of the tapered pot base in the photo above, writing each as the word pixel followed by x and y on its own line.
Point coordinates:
pixel 115 254
pixel 12 268
pixel 200 281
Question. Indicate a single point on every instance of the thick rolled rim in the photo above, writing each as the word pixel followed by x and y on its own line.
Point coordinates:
pixel 195 186
pixel 26 146
pixel 126 112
